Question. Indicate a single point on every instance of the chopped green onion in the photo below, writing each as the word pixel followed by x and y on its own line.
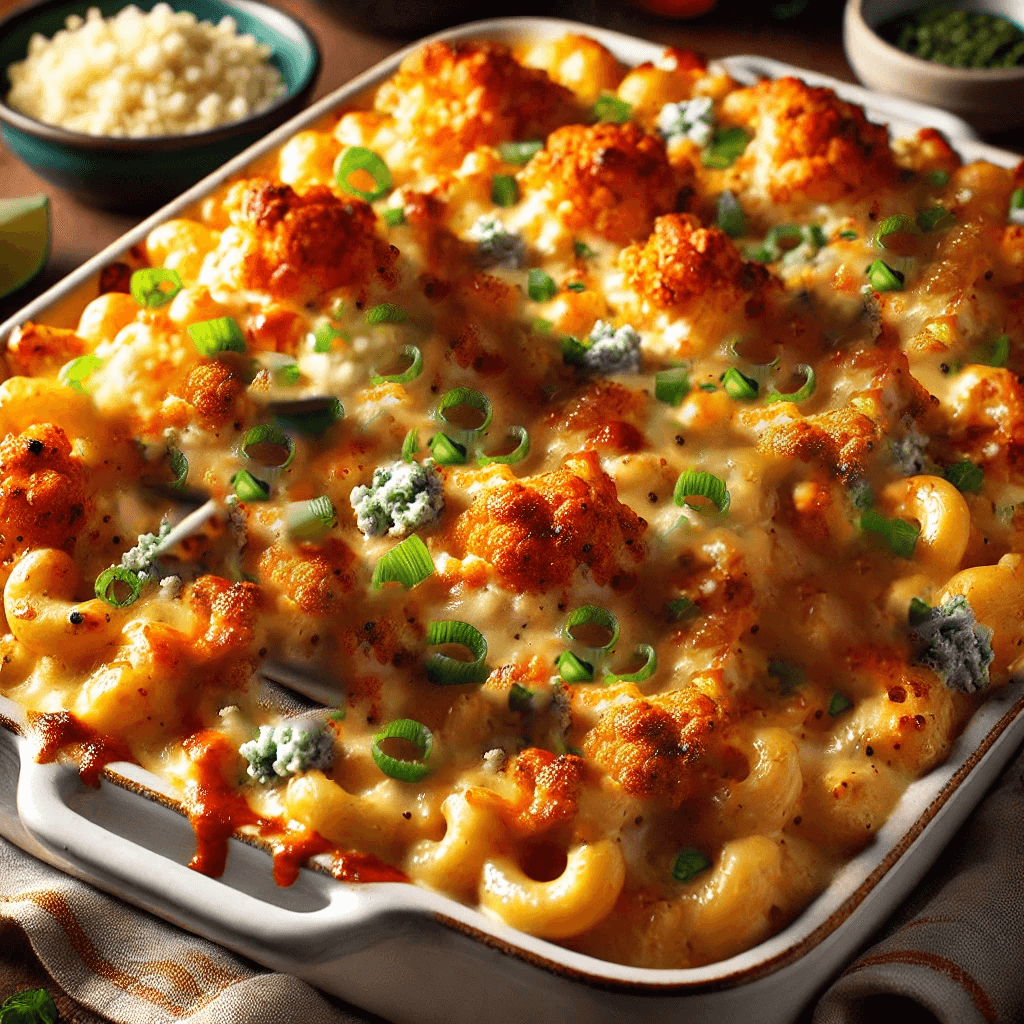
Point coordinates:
pixel 726 147
pixel 211 337
pixel 249 488
pixel 688 864
pixel 789 676
pixel 268 446
pixel 938 178
pixel 155 286
pixel 410 445
pixel 608 107
pixel 575 286
pixel 470 401
pixel 366 165
pixel 307 520
pixel 288 375
pixel 936 218
pixel 918 612
pixel 520 699
pixel 672 386
pixel 730 215
pixel 311 416
pixel 386 313
pixel 589 624
pixel 408 563
pixel 1000 351
pixel 444 670
pixel 447 452
pixel 784 238
pixel 521 450
pixel 738 385
pixel 519 152
pixel 410 373
pixel 838 704
pixel 573 351
pixel 542 326
pixel 679 609
pixel 1016 214
pixel 883 278
pixel 504 190
pixel 965 476
pixel 582 251
pixel 179 466
pixel 848 235
pixel 73 373
pixel 897 224
pixel 403 729
pixel 802 393
pixel 323 337
pixel 708 386
pixel 573 669
pixel 900 535
pixel 393 216
pixel 107 580
pixel 644 653
pixel 693 483
pixel 540 285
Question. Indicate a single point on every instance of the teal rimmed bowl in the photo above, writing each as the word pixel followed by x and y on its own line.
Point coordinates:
pixel 139 175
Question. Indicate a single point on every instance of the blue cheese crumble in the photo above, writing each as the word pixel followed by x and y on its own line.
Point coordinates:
pixel 496 246
pixel 909 451
pixel 691 119
pixel 954 645
pixel 400 498
pixel 140 558
pixel 280 751
pixel 611 350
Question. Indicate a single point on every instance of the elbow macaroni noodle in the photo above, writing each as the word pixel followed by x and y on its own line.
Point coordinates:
pixel 688 407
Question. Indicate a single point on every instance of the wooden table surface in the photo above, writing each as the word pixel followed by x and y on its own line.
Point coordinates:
pixel 812 40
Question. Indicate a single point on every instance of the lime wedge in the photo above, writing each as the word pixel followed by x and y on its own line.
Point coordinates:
pixel 24 240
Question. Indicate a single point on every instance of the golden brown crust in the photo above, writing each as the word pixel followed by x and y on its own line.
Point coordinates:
pixel 215 391
pixel 225 615
pixel 549 785
pixel 610 178
pixel 314 576
pixel 35 349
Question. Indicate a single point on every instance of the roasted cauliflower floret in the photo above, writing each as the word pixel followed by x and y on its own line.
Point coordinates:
pixel 314 576
pixel 683 261
pixel 579 63
pixel 43 501
pixel 225 616
pixel 809 145
pixel 657 747
pixel 307 244
pixel 610 178
pixel 214 390
pixel 549 786
pixel 35 349
pixel 453 98
pixel 537 532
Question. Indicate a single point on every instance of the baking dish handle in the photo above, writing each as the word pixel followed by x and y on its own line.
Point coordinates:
pixel 343 920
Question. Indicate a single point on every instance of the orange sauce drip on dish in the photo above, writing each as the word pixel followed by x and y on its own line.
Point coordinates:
pixel 60 731
pixel 364 867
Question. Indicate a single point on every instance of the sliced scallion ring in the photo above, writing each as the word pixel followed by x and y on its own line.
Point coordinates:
pixel 504 190
pixel 357 167
pixel 919 611
pixel 900 535
pixel 883 278
pixel 310 416
pixel 267 446
pixel 221 334
pixel 154 286
pixel 110 578
pixel 249 488
pixel 609 107
pixel 410 445
pixel 688 864
pixel 324 337
pixel 179 466
pixel 386 313
pixel 592 630
pixel 410 373
pixel 519 152
pixel 73 373
pixel 582 251
pixel 789 676
pixel 403 729
pixel 672 386
pixel 307 520
pixel 445 670
pixel 738 385
pixel 730 215
pixel 573 669
pixel 447 452
pixel 679 609
pixel 540 285
pixel 897 224
pixel 464 413
pixel 649 657
pixel 408 563
pixel 521 450
pixel 938 178
pixel 693 483
pixel 802 393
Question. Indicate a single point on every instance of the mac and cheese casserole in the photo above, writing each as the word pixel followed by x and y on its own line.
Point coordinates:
pixel 631 457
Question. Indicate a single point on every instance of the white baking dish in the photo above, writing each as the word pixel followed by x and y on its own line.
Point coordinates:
pixel 412 955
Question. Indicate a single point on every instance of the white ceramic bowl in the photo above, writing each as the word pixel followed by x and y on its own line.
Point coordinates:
pixel 990 99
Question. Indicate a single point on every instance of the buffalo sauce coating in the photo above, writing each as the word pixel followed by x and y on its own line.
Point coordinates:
pixel 60 731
